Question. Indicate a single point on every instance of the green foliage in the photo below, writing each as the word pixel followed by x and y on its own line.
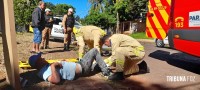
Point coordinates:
pixel 50 5
pixel 101 14
pixel 61 9
pixel 97 5
pixel 23 10
pixel 108 20
pixel 92 18
pixel 127 9
pixel 103 20
pixel 139 35
pixel 130 9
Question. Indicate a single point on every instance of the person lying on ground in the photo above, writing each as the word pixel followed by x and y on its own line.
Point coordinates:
pixel 67 70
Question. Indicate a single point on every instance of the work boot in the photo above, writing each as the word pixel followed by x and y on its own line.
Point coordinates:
pixel 143 68
pixel 65 47
pixel 42 47
pixel 116 76
pixel 47 47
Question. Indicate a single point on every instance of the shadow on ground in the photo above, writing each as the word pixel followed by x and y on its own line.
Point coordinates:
pixel 57 40
pixel 34 82
pixel 31 76
pixel 180 60
pixel 54 51
pixel 93 81
pixel 130 84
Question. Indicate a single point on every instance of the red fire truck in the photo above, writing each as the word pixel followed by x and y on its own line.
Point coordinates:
pixel 177 21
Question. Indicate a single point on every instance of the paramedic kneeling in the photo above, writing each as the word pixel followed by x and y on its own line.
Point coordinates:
pixel 127 56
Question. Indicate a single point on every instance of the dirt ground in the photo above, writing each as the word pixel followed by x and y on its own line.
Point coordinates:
pixel 94 82
pixel 24 44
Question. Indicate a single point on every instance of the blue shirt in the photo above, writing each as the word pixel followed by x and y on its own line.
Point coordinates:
pixel 66 73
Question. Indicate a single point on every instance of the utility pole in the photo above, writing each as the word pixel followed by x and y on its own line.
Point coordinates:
pixel 7 22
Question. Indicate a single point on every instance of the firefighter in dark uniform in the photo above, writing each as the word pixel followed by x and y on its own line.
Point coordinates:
pixel 68 24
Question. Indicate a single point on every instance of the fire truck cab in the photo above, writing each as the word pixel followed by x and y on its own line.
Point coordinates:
pixel 176 22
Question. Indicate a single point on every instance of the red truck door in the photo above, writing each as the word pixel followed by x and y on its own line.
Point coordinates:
pixel 185 32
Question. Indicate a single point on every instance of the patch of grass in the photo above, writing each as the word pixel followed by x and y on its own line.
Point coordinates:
pixel 139 35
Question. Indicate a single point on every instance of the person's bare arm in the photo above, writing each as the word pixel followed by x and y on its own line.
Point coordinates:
pixel 64 20
pixel 54 77
pixel 63 23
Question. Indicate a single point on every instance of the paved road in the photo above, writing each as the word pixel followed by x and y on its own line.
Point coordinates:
pixel 171 68
pixel 166 69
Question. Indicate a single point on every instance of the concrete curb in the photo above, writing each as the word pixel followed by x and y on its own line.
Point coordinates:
pixel 145 40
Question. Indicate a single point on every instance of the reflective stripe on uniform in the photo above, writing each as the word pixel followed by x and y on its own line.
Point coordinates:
pixel 108 61
pixel 137 50
pixel 120 65
pixel 102 32
pixel 80 55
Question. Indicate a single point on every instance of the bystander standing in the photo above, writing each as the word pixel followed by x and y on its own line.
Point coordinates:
pixel 68 24
pixel 38 24
pixel 47 30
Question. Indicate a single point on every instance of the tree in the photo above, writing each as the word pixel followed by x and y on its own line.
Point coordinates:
pixel 92 18
pixel 114 12
pixel 128 10
pixel 109 13
pixel 102 20
pixel 50 5
pixel 97 5
pixel 101 14
pixel 23 10
pixel 61 9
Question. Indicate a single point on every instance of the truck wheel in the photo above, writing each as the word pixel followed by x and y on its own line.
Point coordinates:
pixel 159 43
